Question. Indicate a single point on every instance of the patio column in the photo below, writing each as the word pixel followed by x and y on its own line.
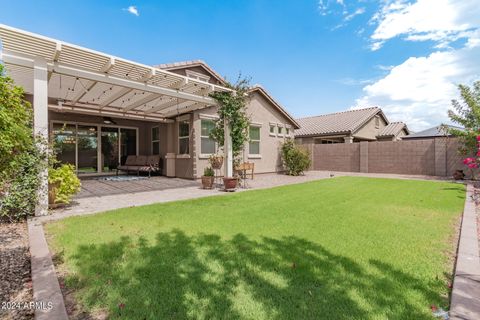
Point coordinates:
pixel 40 128
pixel 227 145
pixel 348 139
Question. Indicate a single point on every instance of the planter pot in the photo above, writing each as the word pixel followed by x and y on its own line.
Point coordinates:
pixel 207 182
pixel 458 175
pixel 230 183
pixel 216 162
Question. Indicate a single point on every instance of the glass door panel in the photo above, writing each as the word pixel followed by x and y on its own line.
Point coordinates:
pixel 110 149
pixel 128 143
pixel 87 149
pixel 64 140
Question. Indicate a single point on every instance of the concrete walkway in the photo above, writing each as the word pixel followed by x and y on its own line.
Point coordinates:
pixel 465 303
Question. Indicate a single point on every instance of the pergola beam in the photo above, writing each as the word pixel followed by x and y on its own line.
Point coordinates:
pixel 164 106
pixel 115 97
pixel 138 103
pixel 82 93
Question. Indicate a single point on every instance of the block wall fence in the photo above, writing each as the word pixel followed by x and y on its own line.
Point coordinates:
pixel 433 157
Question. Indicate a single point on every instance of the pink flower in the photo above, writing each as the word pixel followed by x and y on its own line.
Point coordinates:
pixel 472 165
pixel 468 160
pixel 478 153
pixel 478 138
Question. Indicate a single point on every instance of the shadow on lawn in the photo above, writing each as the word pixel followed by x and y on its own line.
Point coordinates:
pixel 206 277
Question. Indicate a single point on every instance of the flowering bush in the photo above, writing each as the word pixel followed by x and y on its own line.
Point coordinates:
pixel 473 162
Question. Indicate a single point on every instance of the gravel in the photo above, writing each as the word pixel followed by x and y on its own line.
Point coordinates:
pixel 15 277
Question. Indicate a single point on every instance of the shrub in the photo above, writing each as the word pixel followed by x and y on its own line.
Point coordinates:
pixel 296 159
pixel 208 172
pixel 69 184
pixel 20 159
pixel 19 191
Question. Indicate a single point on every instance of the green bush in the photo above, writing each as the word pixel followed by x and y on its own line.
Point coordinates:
pixel 20 160
pixel 69 184
pixel 296 159
pixel 208 172
pixel 18 195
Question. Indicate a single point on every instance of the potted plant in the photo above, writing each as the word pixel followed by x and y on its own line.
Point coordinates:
pixel 208 178
pixel 63 183
pixel 216 161
pixel 232 115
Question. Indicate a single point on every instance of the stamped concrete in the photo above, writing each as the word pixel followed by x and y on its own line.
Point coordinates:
pixel 465 303
pixel 46 289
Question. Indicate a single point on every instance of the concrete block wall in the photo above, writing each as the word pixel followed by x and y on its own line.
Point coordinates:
pixel 435 157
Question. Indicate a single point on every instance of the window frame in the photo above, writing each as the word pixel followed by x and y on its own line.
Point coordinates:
pixel 274 133
pixel 205 154
pixel 259 154
pixel 187 137
pixel 155 141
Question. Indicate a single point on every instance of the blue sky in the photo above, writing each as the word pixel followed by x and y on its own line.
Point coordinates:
pixel 313 56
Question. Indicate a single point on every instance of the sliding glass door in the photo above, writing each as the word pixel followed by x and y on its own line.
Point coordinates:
pixel 93 148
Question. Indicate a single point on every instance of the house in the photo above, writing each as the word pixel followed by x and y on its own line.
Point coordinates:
pixel 97 109
pixel 368 124
pixel 394 131
pixel 434 132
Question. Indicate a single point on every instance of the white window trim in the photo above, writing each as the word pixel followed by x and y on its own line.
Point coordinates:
pixel 274 133
pixel 182 155
pixel 280 126
pixel 289 134
pixel 205 155
pixel 259 155
pixel 204 116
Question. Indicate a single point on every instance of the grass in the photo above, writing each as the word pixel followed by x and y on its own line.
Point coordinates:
pixel 342 248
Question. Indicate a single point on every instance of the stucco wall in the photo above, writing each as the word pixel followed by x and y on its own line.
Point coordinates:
pixel 369 131
pixel 261 112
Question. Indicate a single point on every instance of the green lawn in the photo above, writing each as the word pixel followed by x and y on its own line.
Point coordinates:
pixel 341 248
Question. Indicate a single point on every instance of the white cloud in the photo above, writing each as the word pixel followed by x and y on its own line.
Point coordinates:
pixel 442 21
pixel 352 15
pixel 133 10
pixel 419 91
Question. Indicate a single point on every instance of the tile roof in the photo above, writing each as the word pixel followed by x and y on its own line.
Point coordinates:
pixel 392 129
pixel 438 131
pixel 335 123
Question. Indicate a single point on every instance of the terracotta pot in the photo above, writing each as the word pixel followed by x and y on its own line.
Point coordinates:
pixel 230 183
pixel 207 182
pixel 216 162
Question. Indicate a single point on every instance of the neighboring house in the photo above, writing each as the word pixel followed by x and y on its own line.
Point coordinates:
pixel 98 109
pixel 431 133
pixel 394 131
pixel 346 127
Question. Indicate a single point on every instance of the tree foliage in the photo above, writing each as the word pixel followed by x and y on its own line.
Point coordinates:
pixel 20 159
pixel 231 108
pixel 466 113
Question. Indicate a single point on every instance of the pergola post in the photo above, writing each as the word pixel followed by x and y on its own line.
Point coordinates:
pixel 227 145
pixel 40 124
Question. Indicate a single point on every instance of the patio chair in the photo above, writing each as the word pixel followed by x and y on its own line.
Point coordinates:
pixel 129 163
pixel 153 164
pixel 242 169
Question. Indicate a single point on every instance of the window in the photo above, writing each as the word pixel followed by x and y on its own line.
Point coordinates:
pixel 287 131
pixel 155 140
pixel 377 122
pixel 184 137
pixel 272 129
pixel 280 131
pixel 207 145
pixel 254 145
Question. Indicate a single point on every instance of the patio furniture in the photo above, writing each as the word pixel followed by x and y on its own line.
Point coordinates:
pixel 242 168
pixel 142 163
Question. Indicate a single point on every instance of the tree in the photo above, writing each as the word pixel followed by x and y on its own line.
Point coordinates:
pixel 466 113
